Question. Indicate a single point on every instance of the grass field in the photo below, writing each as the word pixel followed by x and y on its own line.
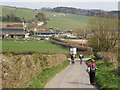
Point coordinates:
pixel 57 21
pixel 67 22
pixel 31 46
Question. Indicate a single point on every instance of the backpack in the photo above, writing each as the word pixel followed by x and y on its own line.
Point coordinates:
pixel 92 68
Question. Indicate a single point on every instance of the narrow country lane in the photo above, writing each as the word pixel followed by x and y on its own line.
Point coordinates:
pixel 74 76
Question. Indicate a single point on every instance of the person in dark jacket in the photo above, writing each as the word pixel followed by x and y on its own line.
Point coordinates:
pixel 93 68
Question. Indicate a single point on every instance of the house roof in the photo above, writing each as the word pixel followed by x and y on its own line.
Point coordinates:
pixel 14 26
pixel 41 27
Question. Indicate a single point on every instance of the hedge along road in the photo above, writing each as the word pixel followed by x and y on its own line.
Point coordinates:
pixel 74 76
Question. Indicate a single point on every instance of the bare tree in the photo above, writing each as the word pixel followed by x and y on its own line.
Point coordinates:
pixel 105 33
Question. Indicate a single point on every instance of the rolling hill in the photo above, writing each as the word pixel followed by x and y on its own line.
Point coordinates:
pixel 59 21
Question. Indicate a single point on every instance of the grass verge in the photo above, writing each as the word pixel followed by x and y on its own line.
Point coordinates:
pixel 106 75
pixel 47 74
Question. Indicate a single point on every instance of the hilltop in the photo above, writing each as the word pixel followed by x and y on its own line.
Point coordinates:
pixel 86 12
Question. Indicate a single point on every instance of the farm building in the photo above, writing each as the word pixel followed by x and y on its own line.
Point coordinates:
pixel 11 33
pixel 41 26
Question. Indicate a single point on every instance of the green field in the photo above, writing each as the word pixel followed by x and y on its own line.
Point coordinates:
pixel 68 22
pixel 57 21
pixel 31 46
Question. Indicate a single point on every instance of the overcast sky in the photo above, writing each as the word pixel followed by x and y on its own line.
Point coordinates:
pixel 61 0
pixel 87 4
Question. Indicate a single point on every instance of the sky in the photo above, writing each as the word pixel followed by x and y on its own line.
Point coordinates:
pixel 61 0
pixel 107 5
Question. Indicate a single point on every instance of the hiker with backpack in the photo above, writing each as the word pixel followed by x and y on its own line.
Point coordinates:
pixel 92 67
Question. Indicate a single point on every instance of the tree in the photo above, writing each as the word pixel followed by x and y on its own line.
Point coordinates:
pixel 31 32
pixel 41 17
pixel 82 30
pixel 11 18
pixel 105 33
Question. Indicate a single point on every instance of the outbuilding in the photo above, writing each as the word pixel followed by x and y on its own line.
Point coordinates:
pixel 12 33
pixel 44 33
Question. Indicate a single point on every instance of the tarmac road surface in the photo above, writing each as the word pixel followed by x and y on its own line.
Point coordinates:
pixel 74 76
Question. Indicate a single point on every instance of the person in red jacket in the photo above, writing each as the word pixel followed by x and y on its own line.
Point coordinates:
pixel 93 68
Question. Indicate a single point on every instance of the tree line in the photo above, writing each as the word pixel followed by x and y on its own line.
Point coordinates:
pixel 11 18
pixel 92 12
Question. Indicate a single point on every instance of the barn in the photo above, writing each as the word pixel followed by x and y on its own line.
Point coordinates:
pixel 12 33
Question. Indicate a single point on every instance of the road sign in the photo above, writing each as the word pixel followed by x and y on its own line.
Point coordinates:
pixel 73 51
